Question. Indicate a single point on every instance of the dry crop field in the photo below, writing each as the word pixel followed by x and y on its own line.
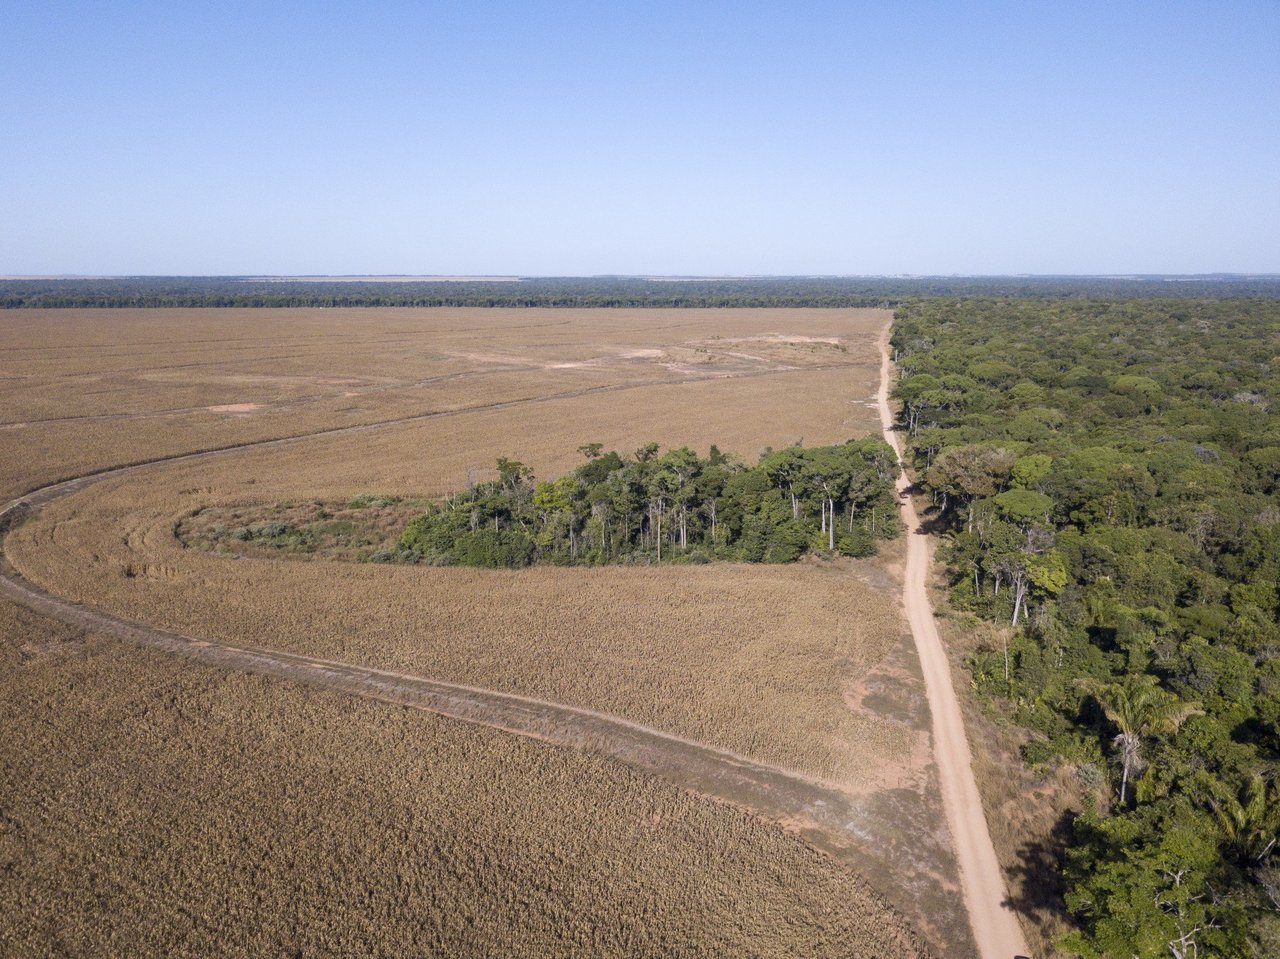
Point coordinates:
pixel 152 806
pixel 83 389
pixel 802 667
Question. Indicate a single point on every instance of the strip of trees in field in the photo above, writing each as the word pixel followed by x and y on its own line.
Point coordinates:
pixel 676 506
pixel 1109 477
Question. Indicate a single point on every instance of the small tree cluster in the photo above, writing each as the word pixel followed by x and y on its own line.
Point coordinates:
pixel 675 506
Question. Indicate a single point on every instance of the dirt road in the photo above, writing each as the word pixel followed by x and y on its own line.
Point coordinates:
pixel 995 926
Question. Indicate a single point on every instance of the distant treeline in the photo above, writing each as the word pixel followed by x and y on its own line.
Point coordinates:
pixel 674 507
pixel 186 291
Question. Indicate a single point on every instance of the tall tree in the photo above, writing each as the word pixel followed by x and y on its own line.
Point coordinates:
pixel 1138 708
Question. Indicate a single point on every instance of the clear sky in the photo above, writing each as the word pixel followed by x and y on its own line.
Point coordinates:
pixel 671 138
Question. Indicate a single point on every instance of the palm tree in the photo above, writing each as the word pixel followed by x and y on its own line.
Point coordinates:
pixel 1249 819
pixel 1139 708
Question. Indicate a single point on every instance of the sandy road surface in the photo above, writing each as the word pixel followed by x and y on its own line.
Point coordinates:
pixel 995 926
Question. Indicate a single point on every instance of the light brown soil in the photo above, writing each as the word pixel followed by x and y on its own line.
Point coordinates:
pixel 864 827
pixel 995 924
pixel 86 389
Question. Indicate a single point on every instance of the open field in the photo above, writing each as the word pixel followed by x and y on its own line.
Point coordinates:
pixel 85 389
pixel 802 667
pixel 753 659
pixel 152 806
pixel 618 640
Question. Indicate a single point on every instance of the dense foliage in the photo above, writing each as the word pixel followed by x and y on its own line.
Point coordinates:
pixel 677 506
pixel 1109 474
pixel 605 291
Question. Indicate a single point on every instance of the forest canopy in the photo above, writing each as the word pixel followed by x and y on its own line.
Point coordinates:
pixel 673 507
pixel 1109 478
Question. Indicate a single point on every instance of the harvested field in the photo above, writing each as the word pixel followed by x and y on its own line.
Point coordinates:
pixel 86 389
pixel 152 806
pixel 802 667
pixel 753 659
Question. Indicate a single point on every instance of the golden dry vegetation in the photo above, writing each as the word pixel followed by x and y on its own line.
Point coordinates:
pixel 85 389
pixel 153 806
pixel 754 659
pixel 351 530
pixel 773 662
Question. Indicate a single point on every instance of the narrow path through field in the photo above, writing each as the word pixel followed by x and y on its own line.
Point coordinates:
pixel 907 866
pixel 995 926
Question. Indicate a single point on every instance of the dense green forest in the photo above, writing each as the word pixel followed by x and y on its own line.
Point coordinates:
pixel 674 507
pixel 1108 474
pixel 616 291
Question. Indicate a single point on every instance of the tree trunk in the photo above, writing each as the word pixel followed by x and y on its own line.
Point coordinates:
pixel 1019 595
pixel 831 526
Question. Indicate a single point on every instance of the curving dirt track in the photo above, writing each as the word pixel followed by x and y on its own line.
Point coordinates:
pixel 850 827
pixel 995 927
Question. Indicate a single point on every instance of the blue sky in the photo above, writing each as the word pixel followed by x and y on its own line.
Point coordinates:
pixel 682 138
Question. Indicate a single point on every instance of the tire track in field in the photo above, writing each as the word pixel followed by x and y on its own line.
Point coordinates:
pixel 909 868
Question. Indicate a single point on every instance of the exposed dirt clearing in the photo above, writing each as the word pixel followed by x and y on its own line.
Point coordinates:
pixel 155 807
pixel 753 658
